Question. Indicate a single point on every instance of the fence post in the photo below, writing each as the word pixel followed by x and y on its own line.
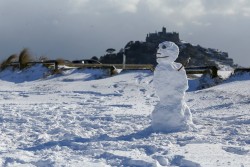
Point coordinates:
pixel 124 61
pixel 214 71
pixel 56 65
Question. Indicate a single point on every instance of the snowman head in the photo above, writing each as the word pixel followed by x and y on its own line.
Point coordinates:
pixel 167 52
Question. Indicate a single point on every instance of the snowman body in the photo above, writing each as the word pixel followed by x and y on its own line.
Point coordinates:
pixel 171 114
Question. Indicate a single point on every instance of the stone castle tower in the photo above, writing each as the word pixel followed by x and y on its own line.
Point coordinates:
pixel 159 37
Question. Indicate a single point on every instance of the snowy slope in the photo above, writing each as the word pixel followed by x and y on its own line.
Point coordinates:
pixel 78 119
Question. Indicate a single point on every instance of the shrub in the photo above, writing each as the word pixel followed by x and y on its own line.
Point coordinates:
pixel 43 58
pixel 8 61
pixel 60 61
pixel 24 58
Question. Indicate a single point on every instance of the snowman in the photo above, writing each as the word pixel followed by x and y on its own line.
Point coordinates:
pixel 171 114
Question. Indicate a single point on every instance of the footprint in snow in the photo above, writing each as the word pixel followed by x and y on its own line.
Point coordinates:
pixel 115 85
pixel 236 150
pixel 143 90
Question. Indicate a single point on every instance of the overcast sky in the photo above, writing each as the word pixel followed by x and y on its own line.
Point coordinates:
pixel 75 29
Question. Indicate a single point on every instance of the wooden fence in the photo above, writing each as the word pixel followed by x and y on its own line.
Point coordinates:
pixel 211 70
pixel 241 70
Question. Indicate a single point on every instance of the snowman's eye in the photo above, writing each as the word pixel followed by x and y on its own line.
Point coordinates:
pixel 164 47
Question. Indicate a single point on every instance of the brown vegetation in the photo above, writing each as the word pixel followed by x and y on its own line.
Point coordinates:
pixel 24 58
pixel 8 61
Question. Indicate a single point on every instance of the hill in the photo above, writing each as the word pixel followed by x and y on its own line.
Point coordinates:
pixel 138 52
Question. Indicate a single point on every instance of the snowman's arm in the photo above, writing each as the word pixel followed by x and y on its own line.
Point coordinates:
pixel 180 67
pixel 177 66
pixel 185 64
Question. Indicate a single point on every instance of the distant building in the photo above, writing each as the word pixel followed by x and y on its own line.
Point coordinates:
pixel 159 37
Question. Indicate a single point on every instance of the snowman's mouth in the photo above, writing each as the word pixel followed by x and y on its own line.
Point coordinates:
pixel 160 56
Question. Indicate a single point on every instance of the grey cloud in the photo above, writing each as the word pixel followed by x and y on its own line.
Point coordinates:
pixel 85 28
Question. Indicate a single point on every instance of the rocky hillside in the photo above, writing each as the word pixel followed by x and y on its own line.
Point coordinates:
pixel 138 52
pixel 201 56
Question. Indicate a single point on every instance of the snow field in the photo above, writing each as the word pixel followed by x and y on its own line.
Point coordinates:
pixel 77 120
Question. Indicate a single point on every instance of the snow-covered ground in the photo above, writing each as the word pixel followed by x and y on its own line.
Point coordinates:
pixel 81 119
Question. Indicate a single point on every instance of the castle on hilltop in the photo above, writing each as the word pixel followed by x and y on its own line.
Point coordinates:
pixel 144 52
pixel 159 37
